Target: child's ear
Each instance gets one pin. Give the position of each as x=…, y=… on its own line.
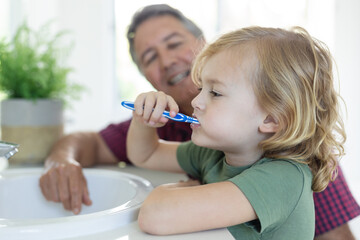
x=269, y=125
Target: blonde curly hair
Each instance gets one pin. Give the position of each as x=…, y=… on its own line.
x=293, y=81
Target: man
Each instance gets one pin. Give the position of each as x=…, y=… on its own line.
x=162, y=44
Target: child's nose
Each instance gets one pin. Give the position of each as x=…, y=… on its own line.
x=196, y=102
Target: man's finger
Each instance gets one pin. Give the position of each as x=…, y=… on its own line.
x=53, y=185
x=49, y=186
x=76, y=186
x=44, y=186
x=86, y=196
x=63, y=188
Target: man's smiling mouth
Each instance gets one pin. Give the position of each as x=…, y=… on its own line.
x=177, y=78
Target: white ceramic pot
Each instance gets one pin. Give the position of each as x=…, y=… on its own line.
x=34, y=125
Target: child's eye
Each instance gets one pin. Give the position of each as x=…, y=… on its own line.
x=199, y=89
x=215, y=94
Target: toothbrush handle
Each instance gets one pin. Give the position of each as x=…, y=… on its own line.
x=179, y=117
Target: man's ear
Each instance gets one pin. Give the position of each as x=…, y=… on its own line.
x=269, y=125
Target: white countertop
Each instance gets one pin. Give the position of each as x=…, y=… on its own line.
x=132, y=232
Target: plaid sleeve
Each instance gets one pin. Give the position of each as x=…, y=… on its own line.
x=114, y=136
x=334, y=206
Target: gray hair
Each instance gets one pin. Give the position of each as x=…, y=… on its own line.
x=154, y=11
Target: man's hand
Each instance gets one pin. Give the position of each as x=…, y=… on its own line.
x=65, y=183
x=63, y=180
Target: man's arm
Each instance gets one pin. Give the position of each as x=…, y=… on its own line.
x=87, y=148
x=63, y=180
x=342, y=232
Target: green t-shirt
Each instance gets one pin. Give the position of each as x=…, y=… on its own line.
x=278, y=190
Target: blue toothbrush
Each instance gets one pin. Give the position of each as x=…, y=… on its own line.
x=179, y=117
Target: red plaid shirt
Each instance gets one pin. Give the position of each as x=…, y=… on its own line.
x=333, y=207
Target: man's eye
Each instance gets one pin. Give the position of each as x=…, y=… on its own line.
x=215, y=94
x=150, y=59
x=174, y=45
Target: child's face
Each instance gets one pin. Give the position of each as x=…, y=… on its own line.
x=226, y=107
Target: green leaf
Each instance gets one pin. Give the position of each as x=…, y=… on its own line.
x=30, y=65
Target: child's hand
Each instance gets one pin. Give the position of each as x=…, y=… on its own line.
x=150, y=106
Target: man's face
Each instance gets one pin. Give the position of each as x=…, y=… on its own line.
x=165, y=51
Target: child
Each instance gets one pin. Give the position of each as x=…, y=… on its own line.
x=270, y=132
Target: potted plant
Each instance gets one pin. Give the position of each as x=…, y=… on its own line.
x=34, y=82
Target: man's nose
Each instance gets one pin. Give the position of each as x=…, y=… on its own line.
x=167, y=59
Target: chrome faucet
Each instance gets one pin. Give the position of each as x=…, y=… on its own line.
x=7, y=150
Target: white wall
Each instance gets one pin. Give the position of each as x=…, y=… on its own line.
x=91, y=23
x=94, y=59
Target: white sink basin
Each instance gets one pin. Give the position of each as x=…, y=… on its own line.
x=26, y=214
